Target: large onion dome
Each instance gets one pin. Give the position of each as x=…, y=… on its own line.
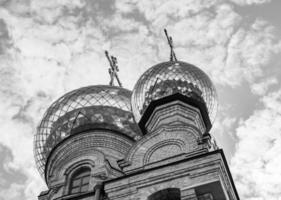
x=102, y=107
x=173, y=77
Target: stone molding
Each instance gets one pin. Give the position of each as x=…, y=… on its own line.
x=185, y=174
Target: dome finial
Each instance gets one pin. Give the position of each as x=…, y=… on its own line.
x=113, y=69
x=170, y=42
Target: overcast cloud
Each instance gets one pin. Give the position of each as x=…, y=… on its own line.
x=50, y=47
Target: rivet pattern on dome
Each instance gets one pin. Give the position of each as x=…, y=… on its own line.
x=171, y=77
x=101, y=104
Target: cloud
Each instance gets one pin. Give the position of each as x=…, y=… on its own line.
x=50, y=47
x=223, y=45
x=261, y=88
x=18, y=119
x=256, y=163
x=4, y=37
x=250, y=2
x=212, y=35
x=13, y=192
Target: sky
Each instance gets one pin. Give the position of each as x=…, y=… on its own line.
x=48, y=48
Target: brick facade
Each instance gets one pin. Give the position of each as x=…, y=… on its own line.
x=175, y=156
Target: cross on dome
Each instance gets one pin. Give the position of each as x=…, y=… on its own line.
x=113, y=69
x=170, y=42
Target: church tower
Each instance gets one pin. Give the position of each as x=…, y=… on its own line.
x=105, y=142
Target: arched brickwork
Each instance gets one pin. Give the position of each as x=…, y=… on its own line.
x=166, y=194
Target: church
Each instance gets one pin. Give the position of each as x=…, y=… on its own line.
x=104, y=142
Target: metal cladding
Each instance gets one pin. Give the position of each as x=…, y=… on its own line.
x=169, y=78
x=107, y=106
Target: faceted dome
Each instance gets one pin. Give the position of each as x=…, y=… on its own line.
x=169, y=78
x=96, y=106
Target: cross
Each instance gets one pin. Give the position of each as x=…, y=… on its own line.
x=113, y=69
x=170, y=42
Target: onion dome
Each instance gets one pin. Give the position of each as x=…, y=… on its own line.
x=169, y=78
x=92, y=107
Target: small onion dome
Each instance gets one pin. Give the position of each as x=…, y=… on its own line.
x=92, y=107
x=173, y=77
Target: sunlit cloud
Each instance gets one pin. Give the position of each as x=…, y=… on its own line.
x=250, y=2
x=50, y=47
x=255, y=164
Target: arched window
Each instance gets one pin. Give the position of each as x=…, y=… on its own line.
x=79, y=181
x=166, y=194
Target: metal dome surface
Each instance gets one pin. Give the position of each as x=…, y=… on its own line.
x=169, y=78
x=104, y=105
